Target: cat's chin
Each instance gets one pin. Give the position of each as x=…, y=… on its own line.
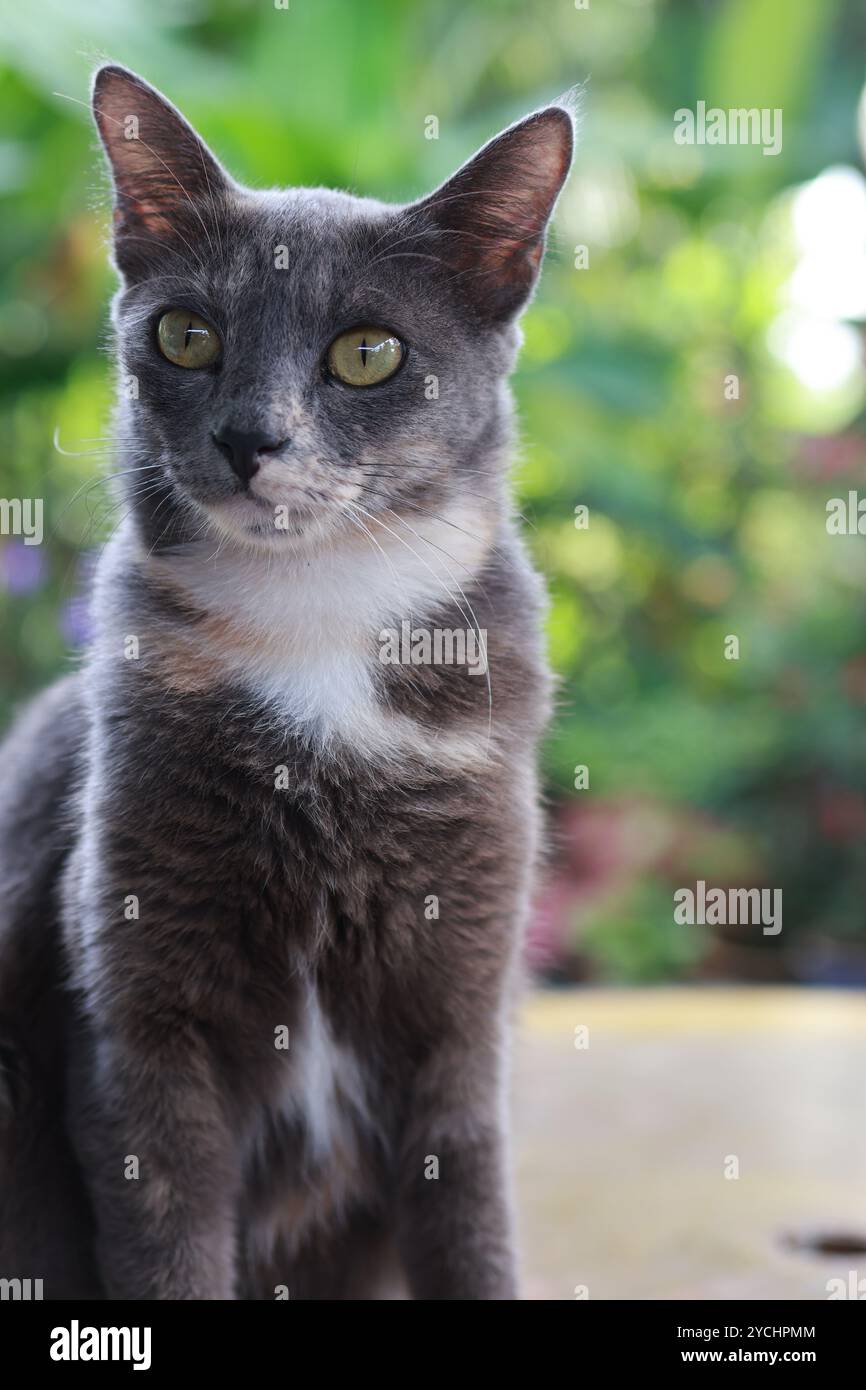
x=255, y=526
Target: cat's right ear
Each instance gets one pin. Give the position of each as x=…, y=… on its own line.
x=167, y=184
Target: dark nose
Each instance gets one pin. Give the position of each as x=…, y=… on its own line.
x=243, y=449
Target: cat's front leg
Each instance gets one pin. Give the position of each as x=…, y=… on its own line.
x=159, y=1160
x=454, y=1213
x=148, y=1109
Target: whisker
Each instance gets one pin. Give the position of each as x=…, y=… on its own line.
x=482, y=641
x=471, y=621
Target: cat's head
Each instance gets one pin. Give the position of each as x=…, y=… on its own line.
x=295, y=361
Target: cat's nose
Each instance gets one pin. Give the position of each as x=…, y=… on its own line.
x=244, y=449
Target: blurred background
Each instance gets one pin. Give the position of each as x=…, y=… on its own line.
x=694, y=376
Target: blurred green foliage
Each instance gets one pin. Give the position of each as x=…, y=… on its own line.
x=706, y=512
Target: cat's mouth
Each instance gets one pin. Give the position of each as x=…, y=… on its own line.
x=254, y=519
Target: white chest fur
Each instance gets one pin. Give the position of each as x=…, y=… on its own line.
x=324, y=1096
x=309, y=625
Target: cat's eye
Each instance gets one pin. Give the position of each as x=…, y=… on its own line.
x=364, y=356
x=187, y=339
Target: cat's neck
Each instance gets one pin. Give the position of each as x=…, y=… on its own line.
x=398, y=566
x=303, y=633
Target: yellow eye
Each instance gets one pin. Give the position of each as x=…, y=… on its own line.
x=364, y=356
x=186, y=339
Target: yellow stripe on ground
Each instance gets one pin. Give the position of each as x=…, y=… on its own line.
x=695, y=1009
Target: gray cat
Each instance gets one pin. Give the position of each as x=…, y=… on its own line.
x=266, y=858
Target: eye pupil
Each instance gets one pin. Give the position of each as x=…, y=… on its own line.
x=364, y=356
x=187, y=339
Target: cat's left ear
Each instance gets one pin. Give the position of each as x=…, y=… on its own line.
x=167, y=184
x=491, y=217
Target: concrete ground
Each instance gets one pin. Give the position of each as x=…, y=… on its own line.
x=623, y=1145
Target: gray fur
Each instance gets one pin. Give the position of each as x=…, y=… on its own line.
x=300, y=905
